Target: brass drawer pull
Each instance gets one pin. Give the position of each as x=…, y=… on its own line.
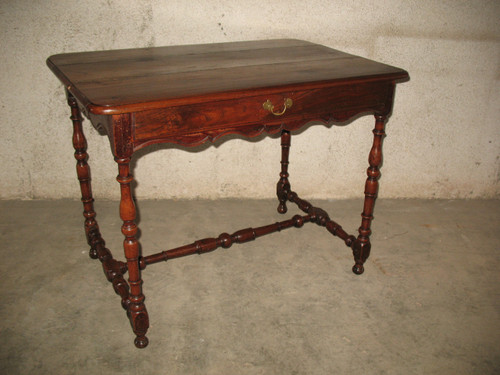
x=268, y=106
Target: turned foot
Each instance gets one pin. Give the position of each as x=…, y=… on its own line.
x=141, y=342
x=93, y=253
x=361, y=251
x=358, y=269
x=282, y=209
x=140, y=324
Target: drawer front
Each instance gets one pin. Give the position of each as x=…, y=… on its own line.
x=338, y=103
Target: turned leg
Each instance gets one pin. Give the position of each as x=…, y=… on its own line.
x=136, y=309
x=83, y=172
x=283, y=186
x=361, y=247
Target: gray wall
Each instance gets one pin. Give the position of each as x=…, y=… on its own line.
x=443, y=138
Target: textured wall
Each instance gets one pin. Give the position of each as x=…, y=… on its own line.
x=443, y=138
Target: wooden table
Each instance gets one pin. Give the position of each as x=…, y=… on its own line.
x=192, y=94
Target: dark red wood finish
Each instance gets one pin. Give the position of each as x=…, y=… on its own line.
x=188, y=95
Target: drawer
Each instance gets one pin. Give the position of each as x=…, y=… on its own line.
x=337, y=102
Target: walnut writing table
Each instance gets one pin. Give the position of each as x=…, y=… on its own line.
x=188, y=95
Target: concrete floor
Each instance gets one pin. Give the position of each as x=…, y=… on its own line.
x=428, y=302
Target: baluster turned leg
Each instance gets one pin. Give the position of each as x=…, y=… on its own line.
x=83, y=172
x=283, y=186
x=136, y=308
x=361, y=247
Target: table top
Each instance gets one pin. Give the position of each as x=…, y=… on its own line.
x=131, y=80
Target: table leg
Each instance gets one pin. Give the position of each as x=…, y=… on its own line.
x=136, y=309
x=361, y=247
x=83, y=172
x=283, y=186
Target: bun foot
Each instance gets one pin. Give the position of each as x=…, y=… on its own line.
x=141, y=342
x=358, y=269
x=282, y=208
